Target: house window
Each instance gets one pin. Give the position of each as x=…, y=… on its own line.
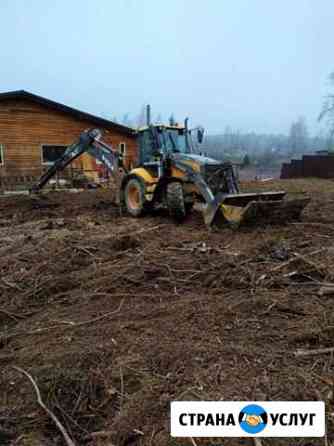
x=2, y=161
x=122, y=148
x=50, y=154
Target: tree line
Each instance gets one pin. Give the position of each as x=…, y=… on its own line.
x=263, y=149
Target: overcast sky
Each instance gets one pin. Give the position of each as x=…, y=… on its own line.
x=250, y=64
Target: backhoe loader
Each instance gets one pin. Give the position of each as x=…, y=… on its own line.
x=169, y=174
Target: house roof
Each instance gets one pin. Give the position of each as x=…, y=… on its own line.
x=105, y=123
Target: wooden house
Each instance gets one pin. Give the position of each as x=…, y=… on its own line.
x=35, y=131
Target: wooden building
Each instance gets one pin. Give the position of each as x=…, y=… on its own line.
x=35, y=131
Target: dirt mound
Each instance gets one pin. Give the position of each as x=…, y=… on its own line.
x=115, y=317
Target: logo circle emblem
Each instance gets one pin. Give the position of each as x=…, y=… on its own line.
x=253, y=419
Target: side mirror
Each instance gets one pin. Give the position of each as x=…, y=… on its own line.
x=200, y=135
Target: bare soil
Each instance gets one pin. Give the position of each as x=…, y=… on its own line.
x=115, y=317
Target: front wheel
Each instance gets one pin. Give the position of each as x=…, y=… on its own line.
x=175, y=201
x=134, y=197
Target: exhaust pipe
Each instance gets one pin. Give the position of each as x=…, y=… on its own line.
x=148, y=115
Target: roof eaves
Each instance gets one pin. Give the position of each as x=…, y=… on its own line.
x=66, y=109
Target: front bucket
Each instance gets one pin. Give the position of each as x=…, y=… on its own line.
x=255, y=212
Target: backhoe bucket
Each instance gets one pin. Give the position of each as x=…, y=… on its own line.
x=253, y=208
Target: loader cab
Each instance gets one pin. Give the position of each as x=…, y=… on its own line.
x=156, y=141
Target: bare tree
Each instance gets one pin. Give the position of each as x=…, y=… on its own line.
x=125, y=119
x=298, y=137
x=327, y=111
x=172, y=119
x=141, y=118
x=159, y=119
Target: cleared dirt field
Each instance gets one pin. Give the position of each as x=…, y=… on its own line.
x=115, y=317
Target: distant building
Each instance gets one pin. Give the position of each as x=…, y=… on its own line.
x=35, y=131
x=320, y=165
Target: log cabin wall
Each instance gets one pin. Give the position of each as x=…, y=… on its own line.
x=25, y=126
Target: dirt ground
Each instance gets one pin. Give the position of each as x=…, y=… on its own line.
x=115, y=317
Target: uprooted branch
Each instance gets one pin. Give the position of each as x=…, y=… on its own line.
x=320, y=351
x=68, y=324
x=66, y=436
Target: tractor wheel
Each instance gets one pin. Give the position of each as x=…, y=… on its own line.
x=134, y=197
x=175, y=201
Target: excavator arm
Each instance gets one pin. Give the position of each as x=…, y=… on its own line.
x=89, y=142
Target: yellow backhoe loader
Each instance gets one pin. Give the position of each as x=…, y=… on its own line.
x=169, y=174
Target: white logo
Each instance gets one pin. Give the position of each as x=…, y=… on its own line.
x=247, y=419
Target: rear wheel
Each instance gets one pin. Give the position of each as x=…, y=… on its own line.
x=134, y=197
x=175, y=201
